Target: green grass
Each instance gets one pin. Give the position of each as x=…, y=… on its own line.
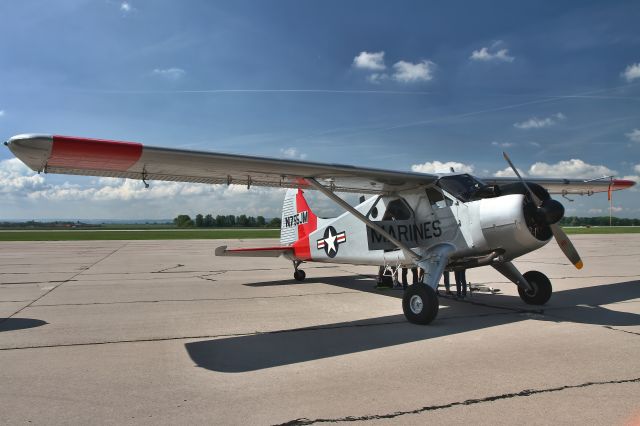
x=139, y=234
x=603, y=230
x=213, y=234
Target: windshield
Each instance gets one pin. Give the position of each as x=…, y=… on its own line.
x=463, y=187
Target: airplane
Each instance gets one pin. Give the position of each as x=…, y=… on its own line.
x=435, y=222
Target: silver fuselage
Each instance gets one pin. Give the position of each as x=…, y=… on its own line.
x=474, y=228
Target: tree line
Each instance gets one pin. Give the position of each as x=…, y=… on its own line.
x=598, y=221
x=228, y=221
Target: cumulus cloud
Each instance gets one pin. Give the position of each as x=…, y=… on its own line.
x=573, y=168
x=439, y=167
x=508, y=172
x=15, y=177
x=538, y=123
x=30, y=195
x=637, y=168
x=407, y=72
x=492, y=53
x=634, y=135
x=293, y=153
x=373, y=61
x=631, y=72
x=169, y=73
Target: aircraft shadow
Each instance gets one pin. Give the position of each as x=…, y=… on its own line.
x=259, y=351
x=285, y=347
x=11, y=324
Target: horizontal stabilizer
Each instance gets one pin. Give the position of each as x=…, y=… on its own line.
x=254, y=251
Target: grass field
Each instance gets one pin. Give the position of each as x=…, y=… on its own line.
x=137, y=234
x=603, y=230
x=212, y=234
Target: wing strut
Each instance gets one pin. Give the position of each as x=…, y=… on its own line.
x=331, y=195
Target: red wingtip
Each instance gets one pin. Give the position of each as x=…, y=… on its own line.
x=618, y=184
x=98, y=154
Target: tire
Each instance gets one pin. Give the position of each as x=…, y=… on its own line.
x=541, y=288
x=299, y=275
x=420, y=304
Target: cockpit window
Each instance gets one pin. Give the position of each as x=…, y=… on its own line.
x=463, y=187
x=437, y=199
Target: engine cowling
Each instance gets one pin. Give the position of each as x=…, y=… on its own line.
x=508, y=223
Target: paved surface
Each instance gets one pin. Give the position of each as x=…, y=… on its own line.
x=162, y=332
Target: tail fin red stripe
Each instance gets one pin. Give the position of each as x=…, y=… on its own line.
x=302, y=248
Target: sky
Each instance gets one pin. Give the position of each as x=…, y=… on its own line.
x=411, y=85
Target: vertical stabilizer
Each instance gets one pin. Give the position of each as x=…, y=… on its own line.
x=298, y=221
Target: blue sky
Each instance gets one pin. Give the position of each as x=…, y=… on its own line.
x=398, y=85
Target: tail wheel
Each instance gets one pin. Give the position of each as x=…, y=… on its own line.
x=541, y=288
x=420, y=304
x=299, y=275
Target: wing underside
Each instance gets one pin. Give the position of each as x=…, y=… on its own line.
x=94, y=157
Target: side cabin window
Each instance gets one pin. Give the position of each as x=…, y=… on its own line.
x=396, y=209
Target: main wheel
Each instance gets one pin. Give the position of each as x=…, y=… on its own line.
x=420, y=304
x=299, y=275
x=541, y=292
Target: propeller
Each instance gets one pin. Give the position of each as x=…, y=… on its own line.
x=549, y=212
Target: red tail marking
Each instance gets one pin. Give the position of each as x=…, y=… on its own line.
x=301, y=248
x=93, y=154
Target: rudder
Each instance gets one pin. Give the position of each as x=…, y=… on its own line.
x=298, y=221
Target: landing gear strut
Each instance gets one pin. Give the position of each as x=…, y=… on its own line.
x=298, y=274
x=534, y=287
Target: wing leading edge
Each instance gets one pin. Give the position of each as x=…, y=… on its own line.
x=568, y=186
x=95, y=157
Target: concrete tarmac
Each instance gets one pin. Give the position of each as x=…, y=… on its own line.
x=163, y=332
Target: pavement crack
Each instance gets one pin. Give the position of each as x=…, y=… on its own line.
x=179, y=265
x=248, y=333
x=206, y=277
x=621, y=330
x=39, y=282
x=213, y=336
x=488, y=399
x=212, y=299
x=61, y=283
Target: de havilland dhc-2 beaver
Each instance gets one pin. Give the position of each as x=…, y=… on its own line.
x=436, y=222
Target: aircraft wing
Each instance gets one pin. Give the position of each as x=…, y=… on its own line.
x=568, y=186
x=95, y=157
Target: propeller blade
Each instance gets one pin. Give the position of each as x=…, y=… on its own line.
x=566, y=246
x=534, y=197
x=561, y=237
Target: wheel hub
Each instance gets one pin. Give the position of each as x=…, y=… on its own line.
x=533, y=291
x=416, y=304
